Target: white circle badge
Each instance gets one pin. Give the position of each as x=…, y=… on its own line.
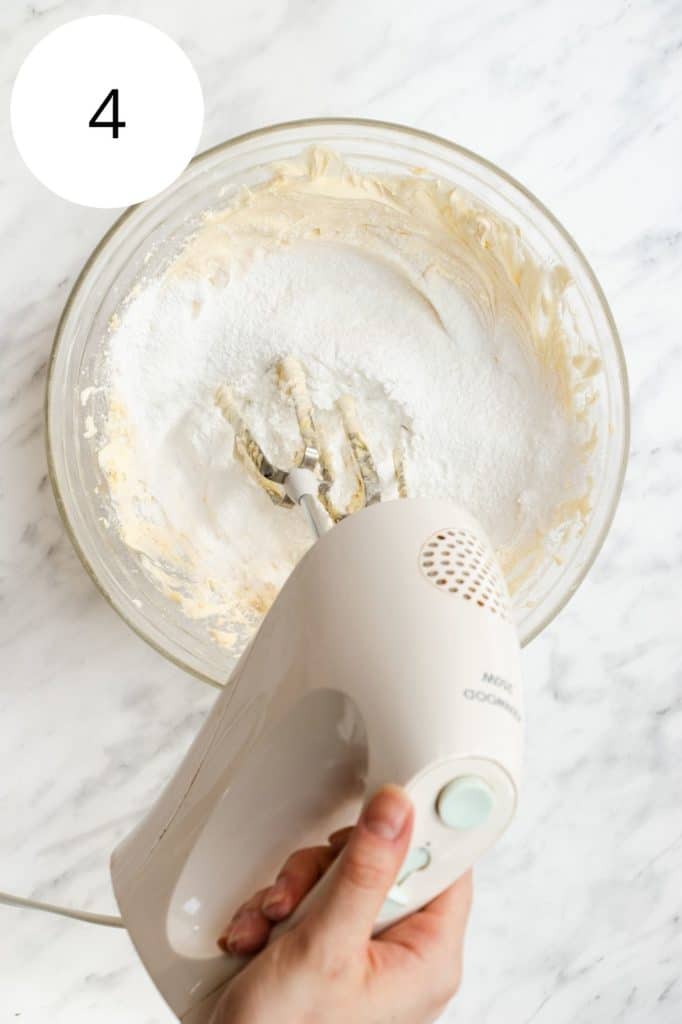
x=107, y=111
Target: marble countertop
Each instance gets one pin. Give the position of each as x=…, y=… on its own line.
x=577, y=912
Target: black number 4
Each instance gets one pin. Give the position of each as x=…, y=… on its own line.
x=114, y=124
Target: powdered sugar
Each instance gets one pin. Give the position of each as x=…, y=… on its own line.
x=435, y=346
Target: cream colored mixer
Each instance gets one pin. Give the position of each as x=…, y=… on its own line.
x=390, y=655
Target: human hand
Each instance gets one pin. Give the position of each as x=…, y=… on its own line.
x=328, y=969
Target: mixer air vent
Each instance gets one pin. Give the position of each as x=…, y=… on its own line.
x=457, y=562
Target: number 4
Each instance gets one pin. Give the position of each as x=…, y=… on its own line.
x=114, y=124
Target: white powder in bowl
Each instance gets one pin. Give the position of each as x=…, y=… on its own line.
x=404, y=293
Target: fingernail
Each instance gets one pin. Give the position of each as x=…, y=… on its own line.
x=276, y=902
x=387, y=812
x=339, y=838
x=237, y=937
x=234, y=937
x=239, y=932
x=225, y=942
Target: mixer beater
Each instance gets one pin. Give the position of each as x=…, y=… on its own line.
x=311, y=475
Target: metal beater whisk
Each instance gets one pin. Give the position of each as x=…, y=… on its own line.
x=311, y=478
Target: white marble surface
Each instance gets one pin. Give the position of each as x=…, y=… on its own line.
x=577, y=913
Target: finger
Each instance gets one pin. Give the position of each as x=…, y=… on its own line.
x=366, y=870
x=441, y=923
x=300, y=873
x=253, y=903
x=338, y=839
x=249, y=929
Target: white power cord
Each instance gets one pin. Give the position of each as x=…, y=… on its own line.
x=49, y=908
x=108, y=920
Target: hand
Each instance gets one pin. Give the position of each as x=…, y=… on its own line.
x=328, y=969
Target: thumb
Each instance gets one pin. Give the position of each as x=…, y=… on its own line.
x=366, y=870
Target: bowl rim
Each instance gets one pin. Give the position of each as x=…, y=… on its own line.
x=330, y=123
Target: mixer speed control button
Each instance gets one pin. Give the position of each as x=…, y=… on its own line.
x=465, y=802
x=416, y=860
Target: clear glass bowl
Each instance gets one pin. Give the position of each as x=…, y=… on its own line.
x=147, y=237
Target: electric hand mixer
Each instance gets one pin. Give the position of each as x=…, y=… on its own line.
x=389, y=655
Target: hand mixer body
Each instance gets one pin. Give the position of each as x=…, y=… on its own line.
x=389, y=656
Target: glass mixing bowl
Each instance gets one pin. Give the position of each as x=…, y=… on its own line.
x=147, y=237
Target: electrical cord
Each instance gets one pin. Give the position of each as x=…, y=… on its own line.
x=49, y=908
x=108, y=920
